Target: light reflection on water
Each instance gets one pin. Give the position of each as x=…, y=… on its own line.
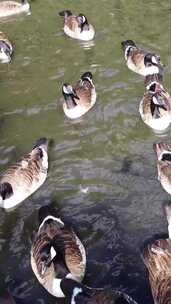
x=103, y=175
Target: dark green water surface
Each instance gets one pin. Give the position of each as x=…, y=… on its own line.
x=102, y=176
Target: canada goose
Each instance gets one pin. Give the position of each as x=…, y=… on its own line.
x=77, y=27
x=22, y=179
x=155, y=106
x=157, y=258
x=56, y=248
x=77, y=293
x=163, y=153
x=140, y=61
x=9, y=8
x=5, y=49
x=80, y=98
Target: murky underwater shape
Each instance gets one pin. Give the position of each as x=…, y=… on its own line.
x=102, y=176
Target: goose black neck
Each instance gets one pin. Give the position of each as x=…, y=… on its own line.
x=70, y=101
x=166, y=157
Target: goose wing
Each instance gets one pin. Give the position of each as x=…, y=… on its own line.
x=157, y=258
x=83, y=91
x=24, y=171
x=10, y=5
x=137, y=56
x=71, y=22
x=41, y=252
x=72, y=250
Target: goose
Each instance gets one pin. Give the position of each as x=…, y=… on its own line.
x=140, y=61
x=9, y=8
x=6, y=48
x=80, y=98
x=157, y=258
x=77, y=293
x=77, y=27
x=163, y=153
x=23, y=178
x=56, y=253
x=155, y=106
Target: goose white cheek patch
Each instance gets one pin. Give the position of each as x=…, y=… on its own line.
x=53, y=252
x=155, y=100
x=76, y=291
x=153, y=59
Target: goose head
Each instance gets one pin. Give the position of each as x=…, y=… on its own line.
x=87, y=76
x=163, y=151
x=83, y=22
x=127, y=47
x=152, y=59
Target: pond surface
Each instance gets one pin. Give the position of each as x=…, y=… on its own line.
x=102, y=176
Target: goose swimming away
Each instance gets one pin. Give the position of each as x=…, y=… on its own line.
x=77, y=27
x=56, y=253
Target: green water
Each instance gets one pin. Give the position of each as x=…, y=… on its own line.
x=102, y=175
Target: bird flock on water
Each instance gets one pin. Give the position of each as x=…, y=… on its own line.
x=57, y=255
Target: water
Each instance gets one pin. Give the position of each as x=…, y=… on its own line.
x=102, y=175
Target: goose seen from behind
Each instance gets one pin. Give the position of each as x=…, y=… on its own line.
x=77, y=27
x=56, y=253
